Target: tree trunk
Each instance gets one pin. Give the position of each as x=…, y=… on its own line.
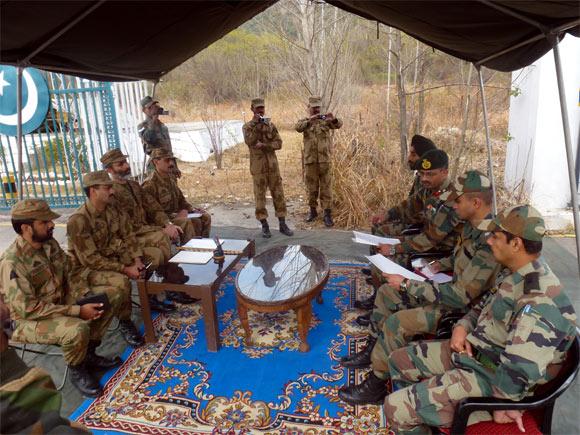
x=400, y=81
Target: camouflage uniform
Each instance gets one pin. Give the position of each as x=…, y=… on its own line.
x=519, y=334
x=264, y=166
x=154, y=135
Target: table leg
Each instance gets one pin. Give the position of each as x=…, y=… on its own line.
x=304, y=315
x=319, y=298
x=146, y=312
x=243, y=313
x=210, y=320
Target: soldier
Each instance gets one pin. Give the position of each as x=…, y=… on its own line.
x=405, y=308
x=163, y=188
x=154, y=133
x=316, y=158
x=263, y=139
x=104, y=249
x=42, y=294
x=514, y=339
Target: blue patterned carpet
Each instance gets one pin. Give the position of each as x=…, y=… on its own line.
x=177, y=386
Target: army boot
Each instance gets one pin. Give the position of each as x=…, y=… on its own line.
x=265, y=229
x=84, y=381
x=372, y=390
x=312, y=215
x=130, y=333
x=360, y=359
x=284, y=228
x=328, y=218
x=95, y=361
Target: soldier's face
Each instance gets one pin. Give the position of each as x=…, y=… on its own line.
x=465, y=207
x=121, y=169
x=165, y=165
x=412, y=158
x=153, y=109
x=260, y=110
x=42, y=231
x=103, y=193
x=314, y=111
x=502, y=249
x=433, y=178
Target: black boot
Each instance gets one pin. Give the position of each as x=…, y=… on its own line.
x=157, y=305
x=360, y=359
x=284, y=228
x=312, y=215
x=95, y=361
x=265, y=229
x=328, y=218
x=372, y=390
x=84, y=381
x=364, y=320
x=130, y=333
x=181, y=298
x=366, y=304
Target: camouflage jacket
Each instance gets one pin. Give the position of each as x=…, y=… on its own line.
x=36, y=282
x=144, y=211
x=411, y=209
x=101, y=240
x=317, y=138
x=524, y=327
x=442, y=226
x=167, y=194
x=263, y=160
x=153, y=135
x=474, y=272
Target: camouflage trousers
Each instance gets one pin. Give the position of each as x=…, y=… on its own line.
x=317, y=177
x=156, y=246
x=263, y=182
x=195, y=227
x=72, y=334
x=433, y=383
x=116, y=285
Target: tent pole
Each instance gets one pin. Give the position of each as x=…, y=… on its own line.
x=487, y=139
x=19, y=131
x=568, y=143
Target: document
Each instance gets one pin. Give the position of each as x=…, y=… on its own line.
x=423, y=266
x=230, y=246
x=191, y=257
x=387, y=266
x=193, y=215
x=369, y=239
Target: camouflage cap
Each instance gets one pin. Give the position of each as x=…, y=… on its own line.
x=161, y=153
x=470, y=182
x=97, y=178
x=113, y=156
x=258, y=102
x=421, y=144
x=32, y=209
x=433, y=159
x=521, y=220
x=314, y=102
x=147, y=101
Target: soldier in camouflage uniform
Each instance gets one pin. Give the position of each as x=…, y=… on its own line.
x=515, y=338
x=42, y=294
x=162, y=186
x=316, y=158
x=104, y=248
x=405, y=308
x=263, y=139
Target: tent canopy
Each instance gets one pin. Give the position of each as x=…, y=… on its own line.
x=128, y=40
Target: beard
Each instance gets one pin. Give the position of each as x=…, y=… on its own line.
x=124, y=175
x=41, y=238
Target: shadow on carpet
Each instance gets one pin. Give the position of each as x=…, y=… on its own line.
x=177, y=386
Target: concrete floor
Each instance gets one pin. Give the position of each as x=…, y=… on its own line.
x=337, y=245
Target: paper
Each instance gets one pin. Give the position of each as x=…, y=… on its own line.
x=423, y=266
x=193, y=215
x=228, y=245
x=369, y=239
x=387, y=266
x=191, y=257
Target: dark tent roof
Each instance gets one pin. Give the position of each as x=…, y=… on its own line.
x=121, y=40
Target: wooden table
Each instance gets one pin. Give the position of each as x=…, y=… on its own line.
x=280, y=279
x=199, y=281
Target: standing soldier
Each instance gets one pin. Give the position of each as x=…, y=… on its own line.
x=317, y=148
x=263, y=139
x=36, y=280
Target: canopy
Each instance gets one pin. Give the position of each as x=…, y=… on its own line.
x=129, y=40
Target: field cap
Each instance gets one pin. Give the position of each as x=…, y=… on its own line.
x=470, y=182
x=314, y=102
x=523, y=221
x=113, y=156
x=161, y=153
x=147, y=102
x=32, y=209
x=257, y=102
x=97, y=178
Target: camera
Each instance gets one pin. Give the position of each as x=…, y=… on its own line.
x=322, y=117
x=264, y=120
x=162, y=111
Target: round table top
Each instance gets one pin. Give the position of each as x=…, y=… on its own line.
x=282, y=273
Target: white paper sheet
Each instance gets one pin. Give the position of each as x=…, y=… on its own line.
x=192, y=257
x=369, y=239
x=229, y=245
x=193, y=215
x=423, y=265
x=388, y=266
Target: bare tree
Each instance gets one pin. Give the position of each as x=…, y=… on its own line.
x=215, y=128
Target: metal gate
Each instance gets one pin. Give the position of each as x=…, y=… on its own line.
x=80, y=127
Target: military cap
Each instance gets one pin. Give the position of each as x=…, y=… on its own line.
x=147, y=101
x=314, y=102
x=97, y=178
x=422, y=144
x=523, y=221
x=113, y=156
x=32, y=209
x=433, y=159
x=258, y=102
x=161, y=153
x=471, y=182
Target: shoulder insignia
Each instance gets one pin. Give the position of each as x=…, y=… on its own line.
x=531, y=282
x=13, y=275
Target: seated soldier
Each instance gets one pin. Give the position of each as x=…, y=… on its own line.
x=162, y=186
x=40, y=291
x=104, y=249
x=404, y=308
x=515, y=338
x=29, y=403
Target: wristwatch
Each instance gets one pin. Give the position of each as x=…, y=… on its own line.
x=393, y=251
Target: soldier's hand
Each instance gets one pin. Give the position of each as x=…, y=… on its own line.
x=132, y=271
x=384, y=249
x=172, y=231
x=504, y=417
x=458, y=342
x=376, y=219
x=259, y=145
x=329, y=116
x=434, y=267
x=91, y=311
x=182, y=214
x=394, y=281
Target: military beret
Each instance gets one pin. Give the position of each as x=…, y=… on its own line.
x=32, y=209
x=470, y=182
x=97, y=178
x=161, y=153
x=433, y=159
x=113, y=156
x=314, y=102
x=422, y=144
x=258, y=102
x=147, y=101
x=523, y=221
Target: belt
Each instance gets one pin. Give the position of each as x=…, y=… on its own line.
x=484, y=360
